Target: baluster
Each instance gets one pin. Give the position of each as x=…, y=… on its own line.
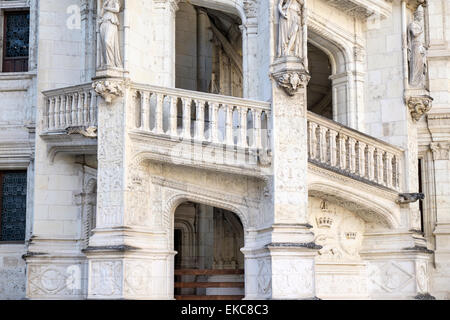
x=388, y=169
x=200, y=124
x=323, y=144
x=68, y=115
x=352, y=154
x=342, y=154
x=74, y=110
x=186, y=118
x=62, y=110
x=159, y=113
x=332, y=147
x=370, y=163
x=312, y=140
x=396, y=172
x=243, y=129
x=229, y=125
x=92, y=108
x=214, y=110
x=379, y=161
x=46, y=113
x=49, y=115
x=257, y=143
x=80, y=109
x=360, y=159
x=56, y=114
x=85, y=108
x=145, y=108
x=173, y=116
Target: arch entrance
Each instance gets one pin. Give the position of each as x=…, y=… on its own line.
x=208, y=262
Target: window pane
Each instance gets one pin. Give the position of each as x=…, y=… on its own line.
x=17, y=34
x=13, y=211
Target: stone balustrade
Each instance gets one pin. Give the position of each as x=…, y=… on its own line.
x=202, y=117
x=74, y=106
x=353, y=153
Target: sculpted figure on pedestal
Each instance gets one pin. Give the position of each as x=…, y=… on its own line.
x=416, y=51
x=109, y=35
x=290, y=28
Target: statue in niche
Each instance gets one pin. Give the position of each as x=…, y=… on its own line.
x=416, y=51
x=290, y=34
x=109, y=35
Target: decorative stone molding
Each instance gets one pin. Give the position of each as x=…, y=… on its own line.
x=419, y=105
x=250, y=8
x=355, y=8
x=290, y=74
x=109, y=89
x=89, y=132
x=441, y=150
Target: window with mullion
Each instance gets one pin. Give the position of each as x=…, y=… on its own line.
x=16, y=27
x=13, y=194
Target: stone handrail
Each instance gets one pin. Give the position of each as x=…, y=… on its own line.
x=74, y=106
x=353, y=153
x=202, y=117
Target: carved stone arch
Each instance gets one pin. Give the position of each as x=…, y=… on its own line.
x=235, y=7
x=89, y=204
x=343, y=52
x=366, y=208
x=179, y=198
x=187, y=230
x=338, y=49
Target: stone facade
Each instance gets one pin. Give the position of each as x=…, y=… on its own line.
x=280, y=146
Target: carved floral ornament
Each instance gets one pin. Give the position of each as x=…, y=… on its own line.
x=291, y=81
x=419, y=105
x=109, y=89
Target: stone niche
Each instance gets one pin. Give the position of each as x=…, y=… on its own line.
x=340, y=271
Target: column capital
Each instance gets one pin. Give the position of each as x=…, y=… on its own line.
x=290, y=74
x=440, y=150
x=173, y=4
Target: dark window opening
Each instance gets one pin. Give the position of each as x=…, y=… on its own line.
x=421, y=191
x=16, y=34
x=13, y=195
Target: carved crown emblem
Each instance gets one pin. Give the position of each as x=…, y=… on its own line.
x=325, y=218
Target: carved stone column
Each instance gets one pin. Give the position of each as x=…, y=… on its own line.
x=292, y=250
x=441, y=159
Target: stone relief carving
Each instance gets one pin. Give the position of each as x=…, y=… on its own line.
x=109, y=35
x=138, y=278
x=422, y=277
x=389, y=277
x=293, y=278
x=106, y=278
x=418, y=106
x=290, y=42
x=109, y=89
x=264, y=277
x=417, y=54
x=339, y=232
x=50, y=280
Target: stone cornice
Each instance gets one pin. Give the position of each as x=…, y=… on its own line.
x=362, y=9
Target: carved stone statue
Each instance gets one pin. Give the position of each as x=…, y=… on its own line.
x=109, y=35
x=290, y=28
x=416, y=51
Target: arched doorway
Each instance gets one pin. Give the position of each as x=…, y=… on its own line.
x=208, y=264
x=319, y=87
